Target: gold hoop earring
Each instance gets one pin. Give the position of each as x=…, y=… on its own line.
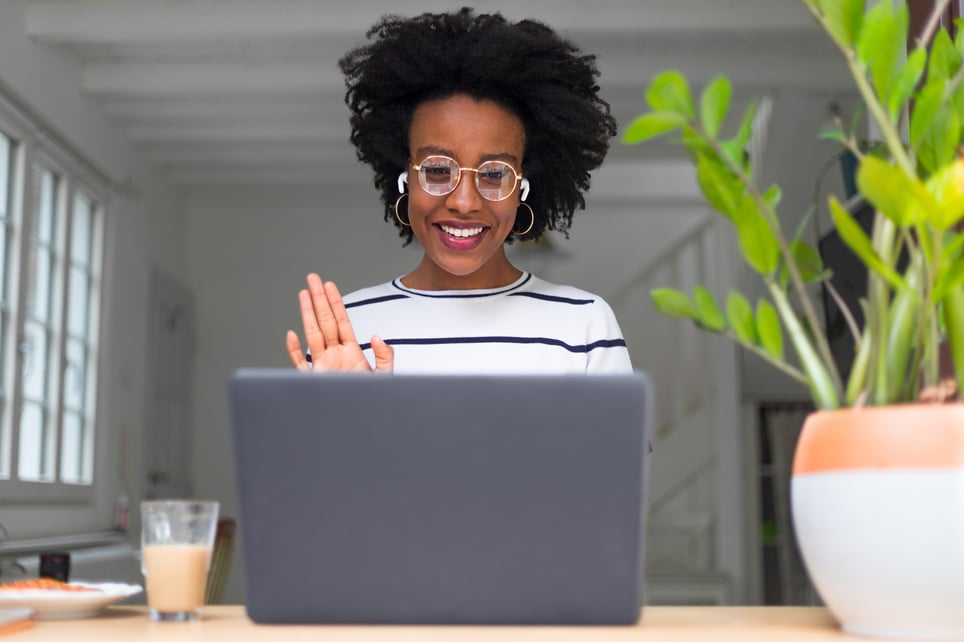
x=532, y=218
x=396, y=210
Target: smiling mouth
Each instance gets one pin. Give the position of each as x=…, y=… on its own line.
x=461, y=233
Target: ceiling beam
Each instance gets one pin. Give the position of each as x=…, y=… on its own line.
x=268, y=132
x=250, y=153
x=293, y=174
x=173, y=79
x=219, y=108
x=132, y=21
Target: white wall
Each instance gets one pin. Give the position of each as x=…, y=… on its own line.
x=146, y=227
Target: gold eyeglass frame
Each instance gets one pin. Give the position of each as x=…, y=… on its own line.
x=418, y=168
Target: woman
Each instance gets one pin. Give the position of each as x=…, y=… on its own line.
x=479, y=131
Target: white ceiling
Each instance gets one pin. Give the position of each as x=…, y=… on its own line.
x=248, y=91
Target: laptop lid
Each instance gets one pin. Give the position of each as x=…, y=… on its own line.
x=440, y=499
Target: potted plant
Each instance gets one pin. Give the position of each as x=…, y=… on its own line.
x=877, y=491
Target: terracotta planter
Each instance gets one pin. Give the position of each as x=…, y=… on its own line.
x=877, y=497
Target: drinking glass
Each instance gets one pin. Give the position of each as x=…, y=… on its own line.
x=177, y=537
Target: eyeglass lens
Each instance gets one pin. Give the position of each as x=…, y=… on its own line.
x=439, y=175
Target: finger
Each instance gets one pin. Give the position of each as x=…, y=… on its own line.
x=295, y=353
x=313, y=336
x=323, y=314
x=345, y=331
x=384, y=355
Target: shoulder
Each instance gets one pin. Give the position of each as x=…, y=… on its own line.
x=568, y=295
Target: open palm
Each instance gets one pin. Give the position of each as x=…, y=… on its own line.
x=329, y=334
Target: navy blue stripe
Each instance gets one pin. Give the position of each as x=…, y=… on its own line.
x=379, y=299
x=603, y=343
x=556, y=299
x=397, y=284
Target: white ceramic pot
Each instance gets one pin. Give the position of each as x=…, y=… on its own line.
x=877, y=497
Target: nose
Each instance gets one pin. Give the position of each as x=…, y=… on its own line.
x=465, y=197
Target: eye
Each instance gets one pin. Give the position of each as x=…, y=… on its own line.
x=494, y=174
x=436, y=173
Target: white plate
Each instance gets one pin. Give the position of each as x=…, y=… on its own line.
x=61, y=605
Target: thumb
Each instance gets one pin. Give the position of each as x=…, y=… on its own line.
x=384, y=355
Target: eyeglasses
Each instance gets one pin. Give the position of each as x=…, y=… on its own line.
x=495, y=180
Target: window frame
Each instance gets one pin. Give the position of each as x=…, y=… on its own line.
x=33, y=149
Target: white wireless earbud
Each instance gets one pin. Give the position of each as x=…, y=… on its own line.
x=402, y=180
x=525, y=188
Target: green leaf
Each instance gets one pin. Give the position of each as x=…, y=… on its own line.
x=945, y=60
x=882, y=44
x=926, y=106
x=906, y=83
x=896, y=195
x=708, y=313
x=695, y=143
x=651, y=125
x=745, y=132
x=834, y=134
x=959, y=38
x=947, y=189
x=957, y=99
x=940, y=144
x=669, y=91
x=844, y=18
x=757, y=240
x=768, y=327
x=808, y=262
x=736, y=153
x=740, y=314
x=853, y=235
x=773, y=196
x=952, y=308
x=722, y=189
x=714, y=103
x=949, y=279
x=953, y=245
x=674, y=303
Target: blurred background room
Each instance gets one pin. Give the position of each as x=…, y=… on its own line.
x=171, y=169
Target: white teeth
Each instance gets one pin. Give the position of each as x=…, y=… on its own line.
x=461, y=233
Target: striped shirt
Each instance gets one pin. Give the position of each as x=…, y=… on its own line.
x=528, y=327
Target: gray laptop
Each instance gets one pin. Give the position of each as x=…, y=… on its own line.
x=440, y=499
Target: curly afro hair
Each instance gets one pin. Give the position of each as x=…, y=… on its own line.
x=524, y=67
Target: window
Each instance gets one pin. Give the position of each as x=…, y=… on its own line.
x=51, y=234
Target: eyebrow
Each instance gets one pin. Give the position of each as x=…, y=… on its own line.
x=430, y=150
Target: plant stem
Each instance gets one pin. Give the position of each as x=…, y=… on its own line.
x=923, y=40
x=879, y=290
x=845, y=311
x=822, y=386
x=887, y=129
x=933, y=345
x=781, y=365
x=829, y=365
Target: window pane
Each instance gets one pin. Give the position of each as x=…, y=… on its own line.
x=46, y=207
x=6, y=221
x=34, y=458
x=38, y=284
x=35, y=361
x=72, y=449
x=80, y=231
x=6, y=153
x=74, y=376
x=78, y=309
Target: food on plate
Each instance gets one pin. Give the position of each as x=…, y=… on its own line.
x=43, y=584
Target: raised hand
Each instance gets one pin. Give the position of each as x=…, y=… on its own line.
x=329, y=334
